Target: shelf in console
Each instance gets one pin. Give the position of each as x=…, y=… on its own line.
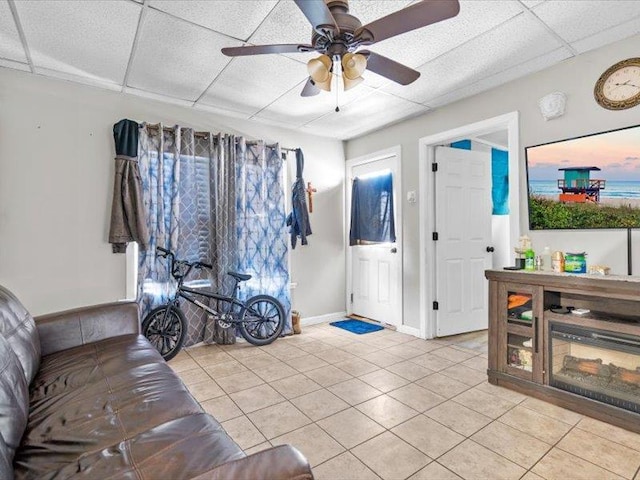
x=599, y=321
x=520, y=321
x=523, y=330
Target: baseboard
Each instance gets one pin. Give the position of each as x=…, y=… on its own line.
x=408, y=330
x=328, y=317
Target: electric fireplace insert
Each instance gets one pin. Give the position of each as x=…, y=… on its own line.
x=597, y=364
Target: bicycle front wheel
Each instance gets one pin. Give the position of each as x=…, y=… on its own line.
x=166, y=328
x=262, y=320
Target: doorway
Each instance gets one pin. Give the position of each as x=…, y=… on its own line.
x=374, y=269
x=465, y=296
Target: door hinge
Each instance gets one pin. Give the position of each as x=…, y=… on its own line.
x=436, y=305
x=434, y=236
x=351, y=298
x=434, y=167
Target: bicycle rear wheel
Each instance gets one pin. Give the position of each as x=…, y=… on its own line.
x=262, y=320
x=166, y=328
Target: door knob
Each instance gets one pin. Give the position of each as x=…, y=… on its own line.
x=490, y=249
x=394, y=250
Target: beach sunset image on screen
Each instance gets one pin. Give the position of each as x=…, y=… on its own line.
x=586, y=182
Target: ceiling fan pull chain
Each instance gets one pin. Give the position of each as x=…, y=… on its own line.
x=337, y=68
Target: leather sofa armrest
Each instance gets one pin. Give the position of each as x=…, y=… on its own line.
x=72, y=328
x=283, y=462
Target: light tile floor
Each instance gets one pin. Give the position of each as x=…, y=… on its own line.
x=387, y=405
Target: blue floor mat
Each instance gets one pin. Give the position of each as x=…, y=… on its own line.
x=357, y=326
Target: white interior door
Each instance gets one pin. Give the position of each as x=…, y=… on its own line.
x=463, y=224
x=376, y=270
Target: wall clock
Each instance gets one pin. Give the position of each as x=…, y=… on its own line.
x=619, y=86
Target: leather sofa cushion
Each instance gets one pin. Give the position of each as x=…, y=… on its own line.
x=93, y=408
x=19, y=328
x=14, y=399
x=6, y=468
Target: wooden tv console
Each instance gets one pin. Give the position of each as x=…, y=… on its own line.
x=520, y=354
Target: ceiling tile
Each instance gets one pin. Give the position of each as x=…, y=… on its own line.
x=362, y=115
x=249, y=84
x=367, y=11
x=475, y=17
x=486, y=55
x=610, y=35
x=497, y=79
x=285, y=24
x=297, y=110
x=577, y=19
x=231, y=17
x=10, y=43
x=15, y=65
x=85, y=38
x=183, y=67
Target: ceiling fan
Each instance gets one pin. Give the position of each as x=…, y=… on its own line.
x=338, y=36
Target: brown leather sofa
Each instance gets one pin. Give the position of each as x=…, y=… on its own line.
x=84, y=396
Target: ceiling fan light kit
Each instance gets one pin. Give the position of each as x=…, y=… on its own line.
x=338, y=35
x=320, y=72
x=353, y=66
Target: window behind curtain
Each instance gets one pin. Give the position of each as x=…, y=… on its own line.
x=372, y=213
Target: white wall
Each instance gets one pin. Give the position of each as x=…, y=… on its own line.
x=576, y=77
x=56, y=175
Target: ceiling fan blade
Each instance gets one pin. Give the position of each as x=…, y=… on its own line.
x=414, y=16
x=318, y=15
x=263, y=49
x=390, y=68
x=309, y=89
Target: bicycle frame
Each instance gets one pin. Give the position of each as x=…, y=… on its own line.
x=179, y=274
x=186, y=292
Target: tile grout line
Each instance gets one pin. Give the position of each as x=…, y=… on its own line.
x=410, y=382
x=557, y=445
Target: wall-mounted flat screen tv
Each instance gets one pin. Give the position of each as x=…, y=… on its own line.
x=585, y=182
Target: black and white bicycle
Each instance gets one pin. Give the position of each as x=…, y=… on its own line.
x=260, y=319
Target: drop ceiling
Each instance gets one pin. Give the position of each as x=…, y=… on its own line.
x=170, y=50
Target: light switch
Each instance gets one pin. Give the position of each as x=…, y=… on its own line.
x=411, y=196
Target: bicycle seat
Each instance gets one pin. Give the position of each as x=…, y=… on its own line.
x=241, y=277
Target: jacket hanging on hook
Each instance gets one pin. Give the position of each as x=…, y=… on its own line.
x=298, y=219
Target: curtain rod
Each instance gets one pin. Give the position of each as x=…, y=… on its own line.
x=205, y=135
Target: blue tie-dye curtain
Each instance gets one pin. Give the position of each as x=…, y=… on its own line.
x=158, y=154
x=220, y=202
x=261, y=230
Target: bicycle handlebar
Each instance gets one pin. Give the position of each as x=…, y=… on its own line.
x=175, y=264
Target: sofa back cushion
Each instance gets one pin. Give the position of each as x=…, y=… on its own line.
x=14, y=399
x=19, y=329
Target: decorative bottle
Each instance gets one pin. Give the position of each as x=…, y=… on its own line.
x=529, y=260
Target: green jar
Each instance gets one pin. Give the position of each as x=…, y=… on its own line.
x=529, y=260
x=575, y=262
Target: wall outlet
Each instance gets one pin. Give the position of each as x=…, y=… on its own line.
x=411, y=196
